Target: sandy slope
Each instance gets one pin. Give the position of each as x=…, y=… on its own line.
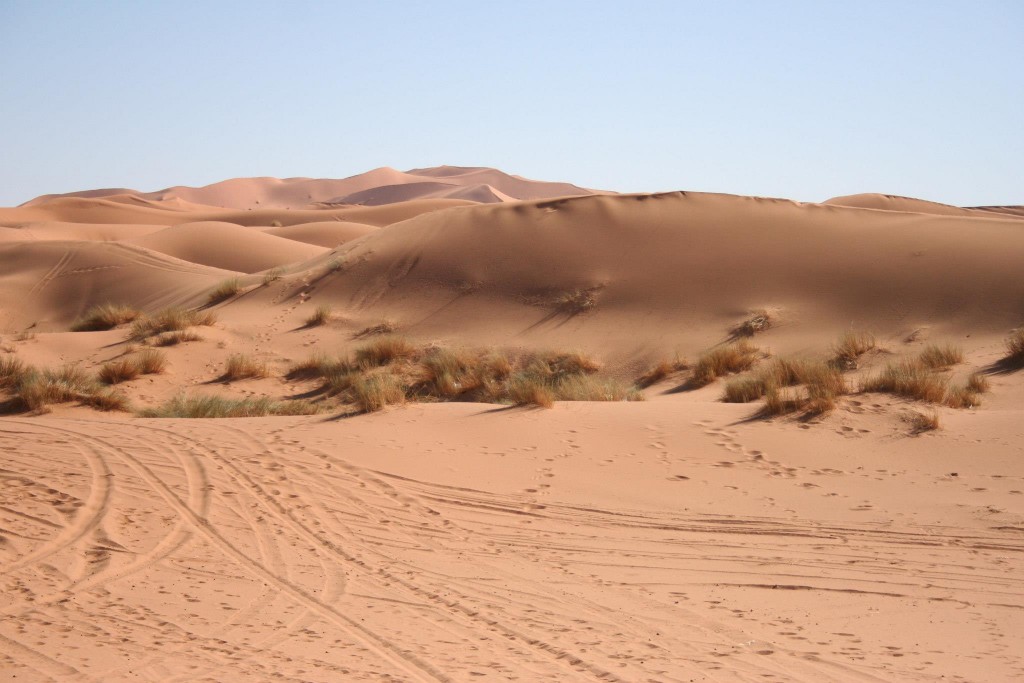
x=678, y=539
x=658, y=541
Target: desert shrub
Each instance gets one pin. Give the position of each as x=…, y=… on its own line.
x=105, y=317
x=321, y=316
x=272, y=275
x=850, y=347
x=448, y=373
x=938, y=357
x=175, y=338
x=219, y=406
x=590, y=388
x=759, y=321
x=1015, y=346
x=121, y=370
x=224, y=291
x=151, y=362
x=576, y=301
x=169, y=320
x=107, y=400
x=242, y=366
x=383, y=327
x=911, y=379
x=978, y=383
x=384, y=350
x=925, y=422
x=12, y=371
x=525, y=389
x=373, y=392
x=722, y=361
x=660, y=371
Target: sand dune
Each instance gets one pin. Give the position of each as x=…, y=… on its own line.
x=677, y=538
x=227, y=246
x=52, y=283
x=324, y=233
x=296, y=193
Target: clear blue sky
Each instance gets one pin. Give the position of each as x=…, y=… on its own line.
x=795, y=99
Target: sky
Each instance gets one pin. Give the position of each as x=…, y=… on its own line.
x=805, y=100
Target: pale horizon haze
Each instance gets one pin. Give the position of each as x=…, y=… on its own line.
x=802, y=100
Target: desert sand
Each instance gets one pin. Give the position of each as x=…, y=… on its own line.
x=671, y=537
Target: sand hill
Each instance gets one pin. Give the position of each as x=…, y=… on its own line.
x=648, y=526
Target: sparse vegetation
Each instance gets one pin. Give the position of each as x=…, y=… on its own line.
x=723, y=360
x=105, y=317
x=272, y=275
x=175, y=338
x=759, y=321
x=383, y=327
x=577, y=301
x=224, y=291
x=911, y=379
x=34, y=390
x=660, y=371
x=151, y=362
x=384, y=350
x=1015, y=347
x=220, y=406
x=321, y=316
x=925, y=422
x=121, y=370
x=938, y=357
x=12, y=371
x=169, y=320
x=822, y=384
x=242, y=366
x=851, y=346
x=371, y=393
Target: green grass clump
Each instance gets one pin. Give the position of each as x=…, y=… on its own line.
x=220, y=406
x=224, y=291
x=169, y=320
x=105, y=317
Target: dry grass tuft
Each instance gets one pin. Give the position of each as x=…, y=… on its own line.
x=219, y=406
x=169, y=320
x=529, y=390
x=823, y=383
x=850, y=347
x=242, y=366
x=105, y=317
x=272, y=275
x=911, y=379
x=314, y=365
x=108, y=400
x=978, y=383
x=576, y=302
x=660, y=371
x=151, y=362
x=938, y=357
x=12, y=371
x=383, y=351
x=925, y=422
x=224, y=291
x=1015, y=346
x=175, y=338
x=371, y=393
x=723, y=361
x=117, y=371
x=321, y=316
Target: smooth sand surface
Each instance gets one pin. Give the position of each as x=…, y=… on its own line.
x=679, y=538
